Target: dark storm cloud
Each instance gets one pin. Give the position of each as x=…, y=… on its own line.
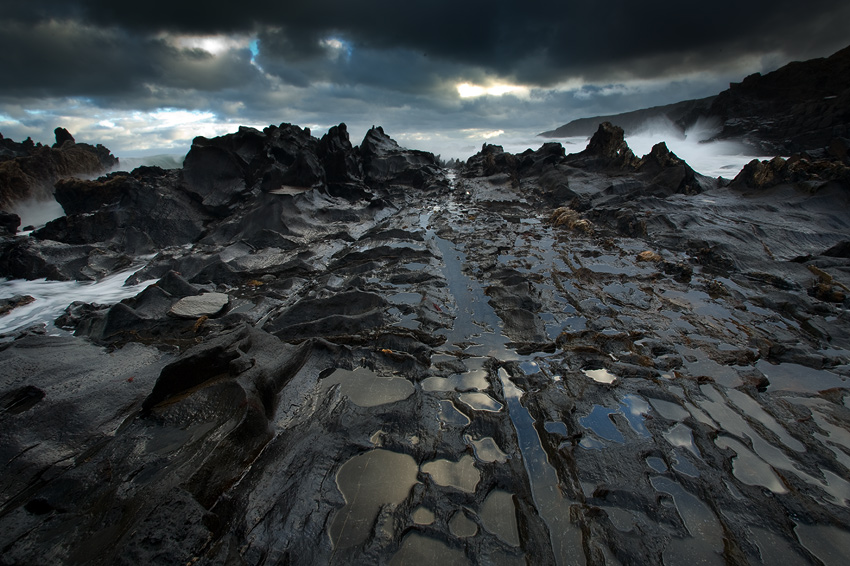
x=67, y=58
x=536, y=41
x=384, y=61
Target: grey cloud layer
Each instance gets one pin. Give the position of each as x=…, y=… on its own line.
x=397, y=61
x=536, y=41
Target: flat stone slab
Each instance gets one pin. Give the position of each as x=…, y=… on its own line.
x=208, y=304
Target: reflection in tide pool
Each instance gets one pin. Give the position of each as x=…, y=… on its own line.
x=486, y=450
x=367, y=389
x=417, y=549
x=462, y=474
x=367, y=482
x=552, y=505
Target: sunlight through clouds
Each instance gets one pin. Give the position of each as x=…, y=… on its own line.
x=467, y=90
x=213, y=44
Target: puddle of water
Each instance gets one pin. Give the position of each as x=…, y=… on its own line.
x=462, y=474
x=774, y=549
x=414, y=266
x=417, y=550
x=486, y=450
x=828, y=543
x=705, y=366
x=474, y=317
x=552, y=505
x=752, y=409
x=706, y=541
x=462, y=526
x=749, y=468
x=367, y=482
x=480, y=402
x=555, y=427
x=450, y=415
x=629, y=294
x=668, y=410
x=498, y=515
x=367, y=389
x=423, y=516
x=794, y=377
x=529, y=368
x=405, y=298
x=473, y=379
x=836, y=488
x=821, y=411
x=680, y=436
x=656, y=464
x=600, y=375
x=634, y=408
x=682, y=465
x=599, y=421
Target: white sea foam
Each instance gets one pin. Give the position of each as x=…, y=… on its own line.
x=53, y=297
x=164, y=160
x=713, y=159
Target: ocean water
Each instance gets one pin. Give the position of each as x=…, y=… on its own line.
x=53, y=297
x=37, y=213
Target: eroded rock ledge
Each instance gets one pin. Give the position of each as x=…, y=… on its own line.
x=536, y=358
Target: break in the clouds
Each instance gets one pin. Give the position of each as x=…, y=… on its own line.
x=151, y=75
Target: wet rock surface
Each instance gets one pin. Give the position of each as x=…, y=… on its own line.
x=540, y=358
x=28, y=171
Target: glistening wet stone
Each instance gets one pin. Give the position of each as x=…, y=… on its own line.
x=208, y=304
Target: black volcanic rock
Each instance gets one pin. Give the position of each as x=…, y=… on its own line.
x=136, y=213
x=416, y=324
x=606, y=150
x=338, y=157
x=9, y=223
x=30, y=171
x=62, y=136
x=386, y=163
x=801, y=106
x=28, y=258
x=803, y=173
x=668, y=171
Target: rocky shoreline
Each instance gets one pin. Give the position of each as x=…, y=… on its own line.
x=353, y=355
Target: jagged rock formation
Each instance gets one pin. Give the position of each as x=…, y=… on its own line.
x=802, y=106
x=348, y=355
x=29, y=171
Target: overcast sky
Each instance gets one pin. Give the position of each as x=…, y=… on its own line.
x=149, y=76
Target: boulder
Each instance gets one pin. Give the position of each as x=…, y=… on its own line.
x=606, y=150
x=208, y=304
x=137, y=213
x=338, y=157
x=9, y=223
x=63, y=136
x=491, y=160
x=29, y=258
x=385, y=162
x=797, y=170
